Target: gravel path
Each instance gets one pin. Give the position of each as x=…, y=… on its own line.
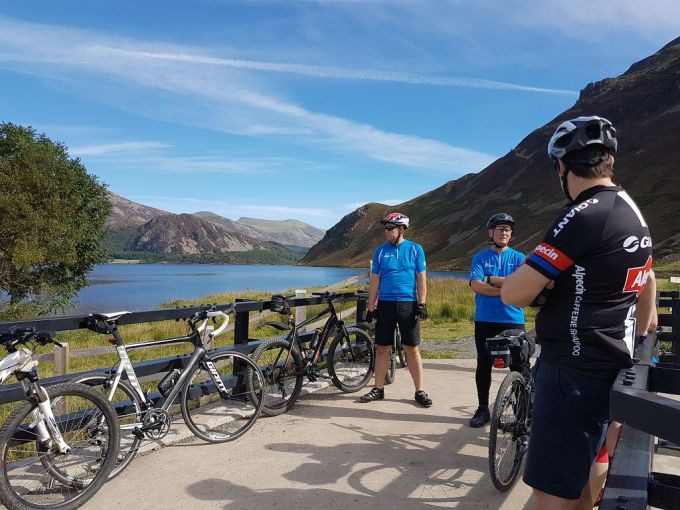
x=463, y=347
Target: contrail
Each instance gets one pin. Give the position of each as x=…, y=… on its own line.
x=336, y=72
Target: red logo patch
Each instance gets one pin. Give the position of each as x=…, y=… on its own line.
x=553, y=256
x=637, y=278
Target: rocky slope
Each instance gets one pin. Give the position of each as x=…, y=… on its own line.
x=286, y=232
x=644, y=106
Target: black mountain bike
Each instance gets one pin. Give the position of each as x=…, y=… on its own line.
x=511, y=418
x=58, y=448
x=286, y=362
x=211, y=386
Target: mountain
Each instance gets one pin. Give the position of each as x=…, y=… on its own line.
x=286, y=232
x=138, y=231
x=185, y=237
x=644, y=106
x=127, y=215
x=232, y=226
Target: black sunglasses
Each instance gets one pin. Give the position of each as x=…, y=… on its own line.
x=391, y=228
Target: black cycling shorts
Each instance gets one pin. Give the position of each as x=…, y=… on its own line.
x=403, y=313
x=568, y=427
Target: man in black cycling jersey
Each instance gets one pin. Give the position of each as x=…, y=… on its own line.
x=598, y=253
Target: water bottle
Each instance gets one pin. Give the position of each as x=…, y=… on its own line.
x=315, y=339
x=168, y=382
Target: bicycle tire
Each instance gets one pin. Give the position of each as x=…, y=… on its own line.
x=124, y=397
x=351, y=360
x=401, y=352
x=509, y=432
x=391, y=369
x=282, y=384
x=34, y=476
x=218, y=417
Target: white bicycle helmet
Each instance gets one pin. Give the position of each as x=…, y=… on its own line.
x=577, y=133
x=396, y=218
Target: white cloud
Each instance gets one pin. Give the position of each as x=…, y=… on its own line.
x=217, y=98
x=117, y=148
x=234, y=210
x=651, y=19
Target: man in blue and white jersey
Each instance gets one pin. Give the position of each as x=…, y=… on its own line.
x=487, y=274
x=398, y=276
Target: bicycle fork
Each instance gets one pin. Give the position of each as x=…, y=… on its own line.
x=44, y=422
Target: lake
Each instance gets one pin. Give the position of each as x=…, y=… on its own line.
x=134, y=287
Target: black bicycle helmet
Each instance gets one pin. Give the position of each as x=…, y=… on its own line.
x=500, y=219
x=577, y=133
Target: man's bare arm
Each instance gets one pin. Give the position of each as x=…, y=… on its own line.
x=479, y=287
x=521, y=287
x=646, y=307
x=421, y=287
x=373, y=285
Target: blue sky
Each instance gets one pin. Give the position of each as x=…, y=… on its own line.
x=305, y=109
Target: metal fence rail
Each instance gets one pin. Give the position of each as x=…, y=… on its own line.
x=242, y=342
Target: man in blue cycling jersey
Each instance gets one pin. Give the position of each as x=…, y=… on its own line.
x=487, y=274
x=398, y=276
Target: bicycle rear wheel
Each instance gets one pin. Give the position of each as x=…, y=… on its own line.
x=283, y=370
x=401, y=353
x=391, y=369
x=34, y=474
x=221, y=410
x=129, y=410
x=509, y=433
x=351, y=360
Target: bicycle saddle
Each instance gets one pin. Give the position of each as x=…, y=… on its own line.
x=113, y=316
x=278, y=325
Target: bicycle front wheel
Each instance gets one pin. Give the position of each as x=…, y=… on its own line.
x=509, y=434
x=283, y=371
x=128, y=407
x=216, y=404
x=351, y=360
x=35, y=474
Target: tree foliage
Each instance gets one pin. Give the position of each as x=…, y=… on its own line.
x=52, y=219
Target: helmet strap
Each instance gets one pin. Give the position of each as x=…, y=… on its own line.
x=494, y=242
x=563, y=178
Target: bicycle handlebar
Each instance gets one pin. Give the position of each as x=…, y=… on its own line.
x=211, y=313
x=18, y=335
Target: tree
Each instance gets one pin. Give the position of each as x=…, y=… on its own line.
x=52, y=219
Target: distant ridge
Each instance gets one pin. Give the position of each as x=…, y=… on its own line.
x=138, y=231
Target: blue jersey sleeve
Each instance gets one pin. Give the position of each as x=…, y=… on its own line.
x=420, y=260
x=376, y=262
x=476, y=269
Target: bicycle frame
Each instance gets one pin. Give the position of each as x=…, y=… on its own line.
x=125, y=366
x=333, y=322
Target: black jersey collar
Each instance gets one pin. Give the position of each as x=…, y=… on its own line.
x=587, y=193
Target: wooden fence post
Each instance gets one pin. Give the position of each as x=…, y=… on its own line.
x=61, y=359
x=300, y=311
x=206, y=338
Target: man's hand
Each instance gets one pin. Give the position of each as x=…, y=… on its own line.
x=421, y=313
x=370, y=316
